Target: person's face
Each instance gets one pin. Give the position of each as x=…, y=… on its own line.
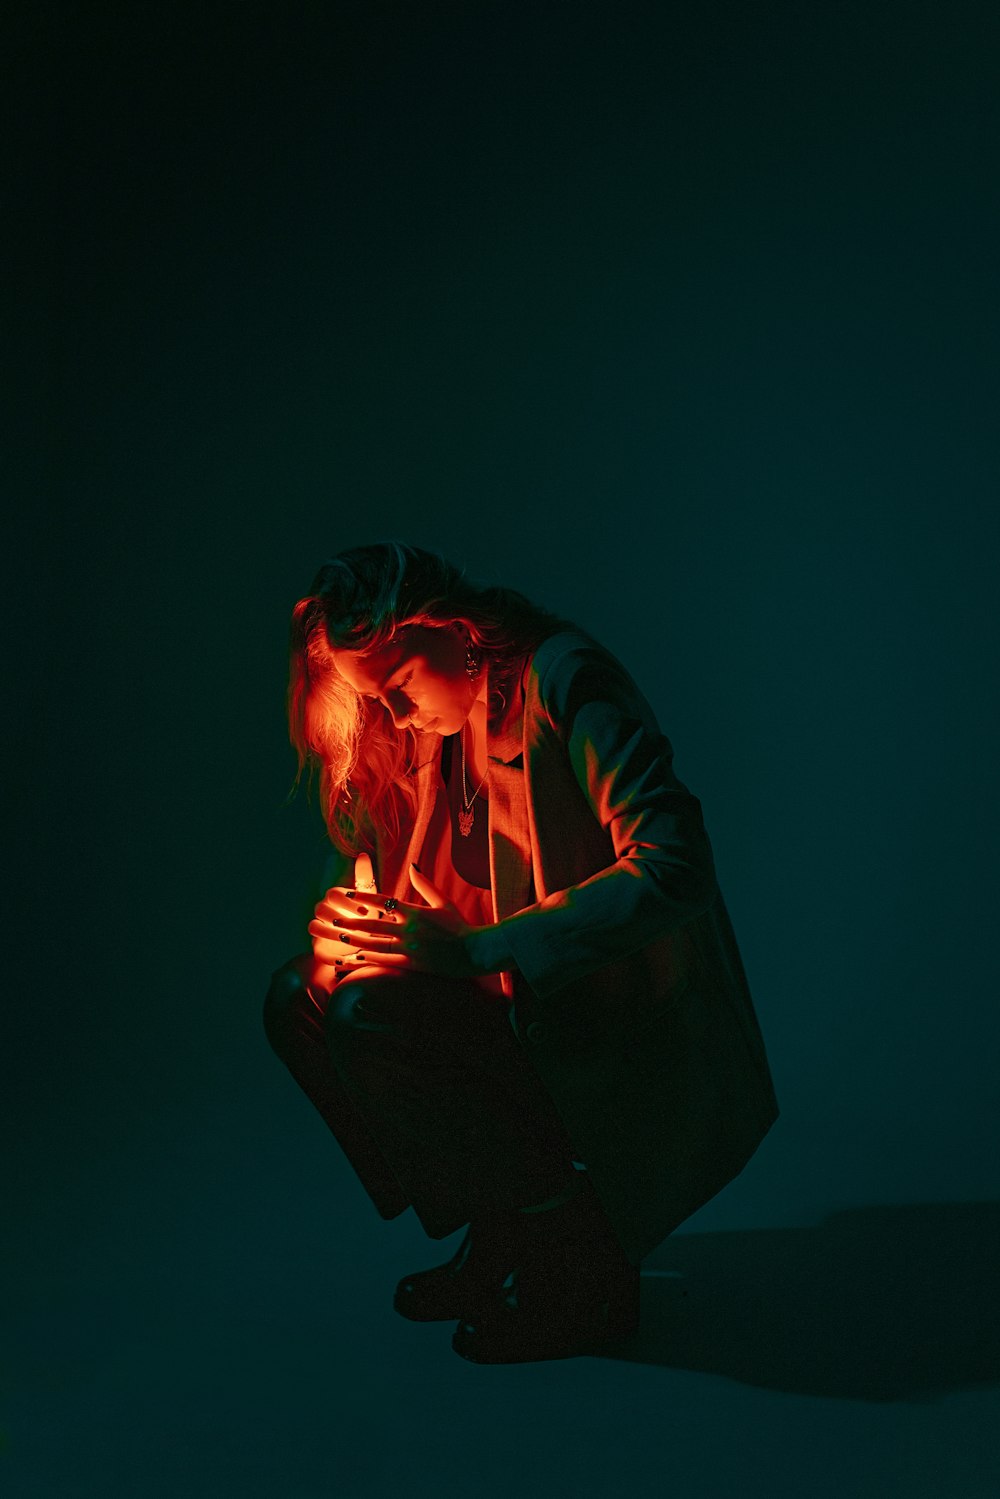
x=420, y=677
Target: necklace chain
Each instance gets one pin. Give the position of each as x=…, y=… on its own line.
x=467, y=812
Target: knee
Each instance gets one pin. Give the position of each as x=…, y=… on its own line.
x=345, y=1012
x=287, y=995
x=360, y=1007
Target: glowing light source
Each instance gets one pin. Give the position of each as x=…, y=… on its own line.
x=325, y=974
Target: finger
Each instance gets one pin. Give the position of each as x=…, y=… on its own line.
x=383, y=960
x=351, y=962
x=358, y=901
x=427, y=888
x=358, y=931
x=328, y=952
x=354, y=924
x=329, y=949
x=353, y=932
x=343, y=899
x=342, y=904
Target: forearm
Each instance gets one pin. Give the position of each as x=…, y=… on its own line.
x=574, y=932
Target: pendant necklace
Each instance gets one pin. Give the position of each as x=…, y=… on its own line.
x=467, y=811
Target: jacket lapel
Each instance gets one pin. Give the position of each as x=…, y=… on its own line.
x=510, y=840
x=427, y=775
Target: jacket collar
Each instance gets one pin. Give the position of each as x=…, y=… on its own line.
x=505, y=728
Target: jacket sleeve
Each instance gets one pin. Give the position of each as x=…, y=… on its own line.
x=599, y=731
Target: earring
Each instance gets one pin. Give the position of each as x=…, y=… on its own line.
x=472, y=661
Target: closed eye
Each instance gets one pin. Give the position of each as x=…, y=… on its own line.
x=398, y=687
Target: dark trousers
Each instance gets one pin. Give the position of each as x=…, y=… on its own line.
x=426, y=1088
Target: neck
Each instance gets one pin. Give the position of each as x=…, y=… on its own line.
x=475, y=740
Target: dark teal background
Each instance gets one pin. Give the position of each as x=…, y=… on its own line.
x=683, y=320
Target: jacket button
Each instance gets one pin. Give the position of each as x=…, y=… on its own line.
x=535, y=1031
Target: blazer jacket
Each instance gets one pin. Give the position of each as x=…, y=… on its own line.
x=629, y=994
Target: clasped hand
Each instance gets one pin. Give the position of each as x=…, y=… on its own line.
x=350, y=929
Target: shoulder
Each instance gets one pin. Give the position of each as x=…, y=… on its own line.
x=570, y=667
x=566, y=651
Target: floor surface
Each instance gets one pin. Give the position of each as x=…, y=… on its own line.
x=206, y=1310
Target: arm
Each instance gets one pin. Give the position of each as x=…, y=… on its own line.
x=594, y=717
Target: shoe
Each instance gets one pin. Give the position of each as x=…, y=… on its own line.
x=570, y=1289
x=519, y=1328
x=473, y=1275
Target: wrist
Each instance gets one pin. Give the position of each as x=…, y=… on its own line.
x=488, y=951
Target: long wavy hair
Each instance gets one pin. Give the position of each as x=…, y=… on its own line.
x=359, y=601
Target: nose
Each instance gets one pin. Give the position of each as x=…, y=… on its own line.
x=400, y=708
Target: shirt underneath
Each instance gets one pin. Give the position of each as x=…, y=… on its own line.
x=460, y=866
x=470, y=854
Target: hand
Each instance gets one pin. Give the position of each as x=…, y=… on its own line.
x=326, y=974
x=351, y=929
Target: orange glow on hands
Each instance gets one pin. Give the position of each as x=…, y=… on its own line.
x=326, y=973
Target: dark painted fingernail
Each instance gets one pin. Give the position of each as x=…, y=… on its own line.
x=381, y=915
x=350, y=895
x=344, y=937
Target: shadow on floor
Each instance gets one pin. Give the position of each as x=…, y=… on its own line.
x=879, y=1303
